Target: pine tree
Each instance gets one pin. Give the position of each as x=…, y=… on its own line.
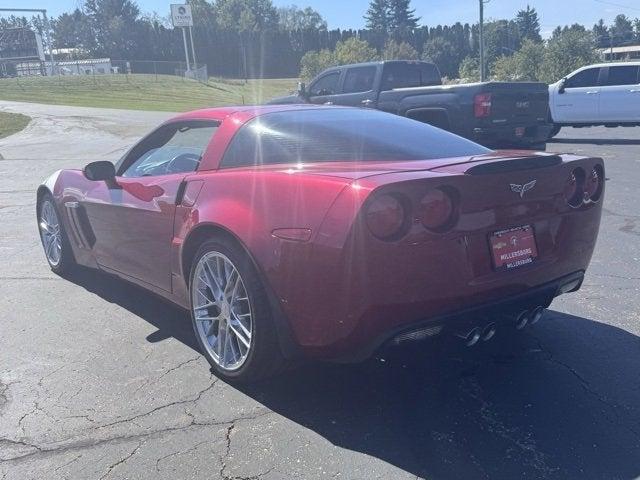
x=402, y=19
x=528, y=24
x=377, y=16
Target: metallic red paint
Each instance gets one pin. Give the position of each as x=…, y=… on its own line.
x=339, y=288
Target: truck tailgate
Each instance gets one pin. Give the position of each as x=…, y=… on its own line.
x=517, y=103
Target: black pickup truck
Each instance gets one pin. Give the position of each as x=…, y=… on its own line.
x=494, y=114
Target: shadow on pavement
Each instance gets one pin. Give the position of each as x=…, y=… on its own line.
x=597, y=141
x=561, y=400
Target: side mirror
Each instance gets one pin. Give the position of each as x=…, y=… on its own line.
x=100, y=171
x=561, y=86
x=302, y=90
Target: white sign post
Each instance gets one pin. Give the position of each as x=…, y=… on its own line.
x=181, y=17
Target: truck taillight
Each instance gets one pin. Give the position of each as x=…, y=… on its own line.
x=482, y=105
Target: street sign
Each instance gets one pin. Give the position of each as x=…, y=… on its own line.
x=181, y=16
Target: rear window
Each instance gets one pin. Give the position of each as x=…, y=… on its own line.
x=341, y=135
x=626, y=75
x=359, y=79
x=408, y=75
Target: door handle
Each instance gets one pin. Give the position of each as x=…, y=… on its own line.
x=592, y=92
x=635, y=90
x=328, y=103
x=367, y=102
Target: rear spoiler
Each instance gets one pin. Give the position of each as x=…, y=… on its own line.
x=515, y=164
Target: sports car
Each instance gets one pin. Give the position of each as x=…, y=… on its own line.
x=326, y=232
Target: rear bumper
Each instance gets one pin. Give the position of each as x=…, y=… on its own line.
x=504, y=136
x=474, y=315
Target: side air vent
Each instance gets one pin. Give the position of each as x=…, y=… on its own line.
x=515, y=164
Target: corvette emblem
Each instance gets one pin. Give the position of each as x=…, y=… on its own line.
x=522, y=189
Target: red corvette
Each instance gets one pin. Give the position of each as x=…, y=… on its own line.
x=327, y=232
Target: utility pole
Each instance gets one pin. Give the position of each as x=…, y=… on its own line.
x=483, y=73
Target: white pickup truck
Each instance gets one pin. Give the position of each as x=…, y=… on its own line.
x=604, y=94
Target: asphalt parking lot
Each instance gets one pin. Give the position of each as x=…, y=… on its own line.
x=99, y=379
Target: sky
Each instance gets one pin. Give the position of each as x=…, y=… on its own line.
x=348, y=13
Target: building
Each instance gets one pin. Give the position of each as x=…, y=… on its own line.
x=628, y=52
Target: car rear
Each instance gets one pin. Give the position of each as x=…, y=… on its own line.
x=464, y=243
x=509, y=114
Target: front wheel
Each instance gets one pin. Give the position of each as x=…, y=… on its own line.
x=54, y=239
x=231, y=315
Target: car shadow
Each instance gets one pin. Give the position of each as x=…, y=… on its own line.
x=596, y=141
x=560, y=400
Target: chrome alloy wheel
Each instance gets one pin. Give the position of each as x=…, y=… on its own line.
x=222, y=311
x=50, y=233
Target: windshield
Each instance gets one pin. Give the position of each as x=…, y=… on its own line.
x=349, y=135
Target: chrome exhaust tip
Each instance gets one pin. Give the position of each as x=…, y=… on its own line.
x=522, y=320
x=536, y=315
x=488, y=332
x=471, y=337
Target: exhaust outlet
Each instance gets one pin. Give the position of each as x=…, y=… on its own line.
x=488, y=332
x=522, y=320
x=536, y=315
x=471, y=337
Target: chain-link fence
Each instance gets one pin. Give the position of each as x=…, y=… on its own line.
x=102, y=66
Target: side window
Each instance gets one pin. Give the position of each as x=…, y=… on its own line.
x=326, y=85
x=626, y=75
x=359, y=79
x=173, y=148
x=400, y=75
x=585, y=78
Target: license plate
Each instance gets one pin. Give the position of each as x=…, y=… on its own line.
x=513, y=248
x=519, y=131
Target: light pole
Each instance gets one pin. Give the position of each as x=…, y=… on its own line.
x=483, y=73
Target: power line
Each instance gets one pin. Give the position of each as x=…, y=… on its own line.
x=617, y=5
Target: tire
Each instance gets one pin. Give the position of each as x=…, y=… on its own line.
x=221, y=317
x=53, y=236
x=554, y=131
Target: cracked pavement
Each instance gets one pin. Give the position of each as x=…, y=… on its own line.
x=101, y=380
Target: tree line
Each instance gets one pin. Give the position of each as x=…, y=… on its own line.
x=253, y=38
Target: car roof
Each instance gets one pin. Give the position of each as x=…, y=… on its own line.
x=612, y=64
x=249, y=111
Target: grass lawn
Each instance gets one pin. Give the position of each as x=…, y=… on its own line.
x=11, y=123
x=141, y=92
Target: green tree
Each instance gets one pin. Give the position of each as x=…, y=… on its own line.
x=601, y=33
x=394, y=50
x=246, y=15
x=402, y=19
x=622, y=30
x=314, y=62
x=377, y=16
x=73, y=30
x=443, y=54
x=469, y=69
x=528, y=24
x=115, y=26
x=568, y=49
x=354, y=50
x=524, y=65
x=292, y=18
x=204, y=13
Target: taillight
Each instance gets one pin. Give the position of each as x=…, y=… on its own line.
x=572, y=188
x=385, y=217
x=482, y=105
x=593, y=185
x=436, y=209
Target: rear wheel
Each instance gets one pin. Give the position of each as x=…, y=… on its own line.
x=231, y=315
x=54, y=239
